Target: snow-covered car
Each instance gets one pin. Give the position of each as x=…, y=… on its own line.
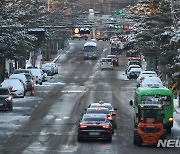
x=48, y=68
x=134, y=73
x=106, y=63
x=29, y=81
x=37, y=75
x=22, y=78
x=44, y=75
x=15, y=86
x=151, y=82
x=145, y=74
x=18, y=71
x=132, y=66
x=55, y=67
x=6, y=100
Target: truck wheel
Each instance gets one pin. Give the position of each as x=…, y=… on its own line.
x=139, y=141
x=79, y=139
x=109, y=139
x=168, y=130
x=135, y=137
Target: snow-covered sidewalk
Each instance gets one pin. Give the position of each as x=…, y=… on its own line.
x=176, y=106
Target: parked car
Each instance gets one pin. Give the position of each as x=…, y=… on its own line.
x=48, y=68
x=55, y=67
x=29, y=81
x=114, y=59
x=15, y=86
x=6, y=100
x=22, y=78
x=37, y=75
x=106, y=63
x=134, y=73
x=18, y=71
x=44, y=75
x=145, y=74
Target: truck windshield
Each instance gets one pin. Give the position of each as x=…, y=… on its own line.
x=151, y=115
x=163, y=100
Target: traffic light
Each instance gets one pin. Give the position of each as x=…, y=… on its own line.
x=126, y=26
x=76, y=31
x=84, y=31
x=81, y=31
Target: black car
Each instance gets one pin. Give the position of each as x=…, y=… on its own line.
x=114, y=59
x=102, y=110
x=94, y=126
x=112, y=110
x=6, y=99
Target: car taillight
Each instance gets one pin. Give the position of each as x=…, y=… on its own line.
x=116, y=60
x=82, y=126
x=110, y=118
x=105, y=126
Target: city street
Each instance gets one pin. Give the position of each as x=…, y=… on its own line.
x=47, y=122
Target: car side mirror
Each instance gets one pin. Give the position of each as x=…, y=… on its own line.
x=115, y=109
x=131, y=103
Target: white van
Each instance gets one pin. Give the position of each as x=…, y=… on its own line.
x=90, y=50
x=106, y=63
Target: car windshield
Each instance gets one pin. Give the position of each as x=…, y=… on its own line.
x=4, y=92
x=89, y=48
x=106, y=106
x=94, y=119
x=106, y=60
x=99, y=110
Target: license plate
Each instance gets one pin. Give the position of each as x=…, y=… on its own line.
x=94, y=133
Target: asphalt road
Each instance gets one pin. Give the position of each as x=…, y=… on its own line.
x=51, y=117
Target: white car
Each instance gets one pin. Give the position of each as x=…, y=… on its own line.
x=134, y=73
x=145, y=74
x=37, y=75
x=15, y=86
x=55, y=67
x=106, y=63
x=21, y=77
x=48, y=68
x=151, y=82
x=132, y=66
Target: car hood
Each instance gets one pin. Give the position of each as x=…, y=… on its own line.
x=2, y=97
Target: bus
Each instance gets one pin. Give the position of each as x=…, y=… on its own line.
x=161, y=96
x=90, y=50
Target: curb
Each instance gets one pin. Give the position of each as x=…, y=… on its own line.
x=176, y=110
x=65, y=49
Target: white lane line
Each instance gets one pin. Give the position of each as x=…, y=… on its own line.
x=66, y=117
x=58, y=119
